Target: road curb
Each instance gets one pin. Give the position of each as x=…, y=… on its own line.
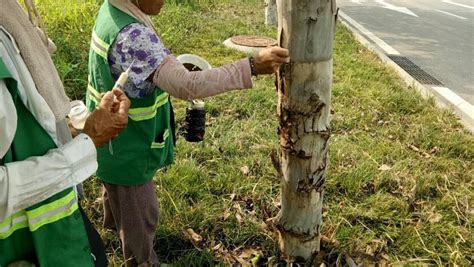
x=444, y=99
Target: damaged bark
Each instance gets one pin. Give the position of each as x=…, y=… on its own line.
x=304, y=101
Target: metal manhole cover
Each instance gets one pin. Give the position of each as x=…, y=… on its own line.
x=415, y=71
x=253, y=41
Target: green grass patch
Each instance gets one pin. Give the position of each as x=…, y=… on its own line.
x=401, y=175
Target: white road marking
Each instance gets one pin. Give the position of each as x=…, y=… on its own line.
x=400, y=9
x=455, y=99
x=385, y=47
x=447, y=13
x=457, y=4
x=356, y=2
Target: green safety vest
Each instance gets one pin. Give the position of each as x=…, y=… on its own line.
x=147, y=143
x=52, y=232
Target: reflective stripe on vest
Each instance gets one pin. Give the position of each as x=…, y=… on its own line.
x=136, y=114
x=40, y=216
x=146, y=113
x=166, y=134
x=13, y=223
x=94, y=94
x=99, y=46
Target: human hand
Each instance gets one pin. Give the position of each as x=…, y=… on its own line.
x=269, y=60
x=109, y=118
x=74, y=132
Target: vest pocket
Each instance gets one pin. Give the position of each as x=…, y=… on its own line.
x=160, y=140
x=159, y=150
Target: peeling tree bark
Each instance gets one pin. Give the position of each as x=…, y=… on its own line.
x=306, y=28
x=271, y=17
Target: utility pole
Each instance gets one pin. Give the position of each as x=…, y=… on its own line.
x=306, y=28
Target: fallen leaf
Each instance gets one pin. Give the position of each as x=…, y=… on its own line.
x=232, y=197
x=239, y=214
x=247, y=253
x=241, y=261
x=193, y=235
x=264, y=227
x=226, y=215
x=384, y=167
x=470, y=211
x=237, y=207
x=414, y=148
x=434, y=217
x=375, y=247
x=217, y=247
x=238, y=217
x=434, y=150
x=245, y=170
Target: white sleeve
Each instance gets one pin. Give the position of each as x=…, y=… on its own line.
x=25, y=183
x=8, y=119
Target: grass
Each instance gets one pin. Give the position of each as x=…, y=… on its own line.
x=400, y=183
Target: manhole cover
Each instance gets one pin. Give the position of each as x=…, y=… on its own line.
x=253, y=41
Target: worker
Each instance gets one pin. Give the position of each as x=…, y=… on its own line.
x=41, y=223
x=123, y=37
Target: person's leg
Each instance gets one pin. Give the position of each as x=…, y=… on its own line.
x=135, y=211
x=109, y=221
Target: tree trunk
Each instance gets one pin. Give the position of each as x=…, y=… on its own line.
x=271, y=12
x=307, y=29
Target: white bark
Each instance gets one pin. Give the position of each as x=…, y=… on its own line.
x=306, y=28
x=271, y=17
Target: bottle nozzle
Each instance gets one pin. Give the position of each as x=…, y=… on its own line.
x=130, y=67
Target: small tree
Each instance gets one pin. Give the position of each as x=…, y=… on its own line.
x=307, y=29
x=271, y=17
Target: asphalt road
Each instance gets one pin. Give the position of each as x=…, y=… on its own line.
x=437, y=35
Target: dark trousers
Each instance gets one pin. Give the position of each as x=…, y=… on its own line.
x=133, y=212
